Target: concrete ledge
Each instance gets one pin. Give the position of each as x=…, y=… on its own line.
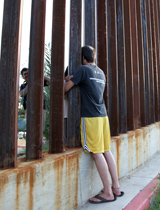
x=134, y=148
x=66, y=181
x=142, y=200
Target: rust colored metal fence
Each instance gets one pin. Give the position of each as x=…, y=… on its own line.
x=126, y=35
x=9, y=83
x=35, y=81
x=57, y=72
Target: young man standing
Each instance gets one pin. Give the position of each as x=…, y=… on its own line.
x=24, y=89
x=95, y=130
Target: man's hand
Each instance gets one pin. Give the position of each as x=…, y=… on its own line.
x=68, y=77
x=68, y=85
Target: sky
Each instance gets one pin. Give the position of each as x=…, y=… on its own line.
x=25, y=36
x=26, y=29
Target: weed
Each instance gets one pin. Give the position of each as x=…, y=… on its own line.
x=155, y=204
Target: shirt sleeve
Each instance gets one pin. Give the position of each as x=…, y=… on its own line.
x=78, y=76
x=22, y=87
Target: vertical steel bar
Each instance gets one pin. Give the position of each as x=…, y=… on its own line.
x=74, y=62
x=150, y=63
x=141, y=63
x=121, y=69
x=158, y=31
x=155, y=40
x=9, y=74
x=102, y=42
x=113, y=68
x=135, y=65
x=90, y=38
x=146, y=69
x=57, y=78
x=35, y=81
x=129, y=73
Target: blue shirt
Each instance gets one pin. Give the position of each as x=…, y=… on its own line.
x=91, y=81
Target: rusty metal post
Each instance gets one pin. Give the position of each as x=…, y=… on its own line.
x=157, y=6
x=102, y=42
x=135, y=65
x=90, y=38
x=121, y=69
x=74, y=61
x=129, y=73
x=57, y=78
x=150, y=64
x=35, y=81
x=155, y=57
x=9, y=74
x=141, y=63
x=113, y=94
x=145, y=62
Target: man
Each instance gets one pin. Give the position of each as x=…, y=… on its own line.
x=95, y=131
x=24, y=90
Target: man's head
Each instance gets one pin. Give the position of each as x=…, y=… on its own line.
x=89, y=54
x=24, y=73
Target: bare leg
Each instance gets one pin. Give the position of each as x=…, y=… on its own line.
x=113, y=171
x=102, y=168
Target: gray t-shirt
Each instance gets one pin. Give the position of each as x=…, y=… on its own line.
x=91, y=81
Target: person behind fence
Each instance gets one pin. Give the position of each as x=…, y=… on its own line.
x=24, y=89
x=95, y=130
x=65, y=108
x=67, y=77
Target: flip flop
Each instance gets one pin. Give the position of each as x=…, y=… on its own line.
x=102, y=200
x=122, y=193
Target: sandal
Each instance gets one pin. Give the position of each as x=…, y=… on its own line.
x=121, y=192
x=102, y=200
x=113, y=188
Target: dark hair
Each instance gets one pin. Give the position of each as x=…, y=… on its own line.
x=24, y=69
x=89, y=53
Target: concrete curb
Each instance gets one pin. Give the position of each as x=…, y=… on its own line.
x=142, y=200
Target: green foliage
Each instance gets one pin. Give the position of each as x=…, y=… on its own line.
x=45, y=146
x=155, y=204
x=47, y=72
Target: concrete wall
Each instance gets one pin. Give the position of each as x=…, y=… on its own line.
x=66, y=181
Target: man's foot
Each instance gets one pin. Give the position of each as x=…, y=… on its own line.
x=102, y=198
x=117, y=192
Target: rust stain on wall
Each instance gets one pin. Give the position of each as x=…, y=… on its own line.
x=25, y=175
x=145, y=143
x=139, y=151
x=118, y=146
x=66, y=173
x=159, y=136
x=71, y=179
x=59, y=173
x=31, y=187
x=3, y=181
x=3, y=187
x=130, y=151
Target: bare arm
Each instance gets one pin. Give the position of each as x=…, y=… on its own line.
x=23, y=92
x=68, y=85
x=68, y=77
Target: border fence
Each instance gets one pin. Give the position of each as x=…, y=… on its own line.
x=126, y=35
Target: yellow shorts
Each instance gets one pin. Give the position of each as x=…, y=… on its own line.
x=95, y=134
